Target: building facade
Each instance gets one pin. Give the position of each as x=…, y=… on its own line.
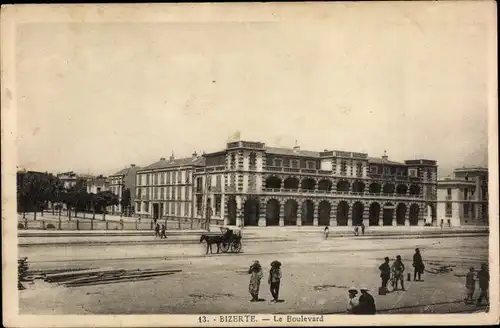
x=96, y=184
x=250, y=184
x=120, y=181
x=463, y=199
x=165, y=189
x=68, y=179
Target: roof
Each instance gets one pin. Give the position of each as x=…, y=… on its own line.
x=291, y=152
x=164, y=164
x=376, y=160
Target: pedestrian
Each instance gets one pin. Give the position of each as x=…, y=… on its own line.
x=418, y=265
x=326, y=232
x=441, y=224
x=470, y=286
x=157, y=230
x=398, y=268
x=353, y=301
x=484, y=283
x=449, y=223
x=256, y=275
x=363, y=228
x=275, y=280
x=356, y=231
x=385, y=273
x=163, y=231
x=366, y=302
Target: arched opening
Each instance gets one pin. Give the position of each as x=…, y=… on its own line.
x=231, y=211
x=414, y=189
x=375, y=188
x=400, y=214
x=307, y=212
x=272, y=213
x=290, y=212
x=308, y=184
x=325, y=185
x=291, y=183
x=358, y=186
x=324, y=213
x=357, y=213
x=388, y=188
x=414, y=211
x=273, y=182
x=343, y=186
x=430, y=216
x=401, y=189
x=342, y=213
x=388, y=214
x=374, y=214
x=251, y=212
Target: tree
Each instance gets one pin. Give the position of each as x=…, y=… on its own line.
x=105, y=199
x=126, y=201
x=33, y=191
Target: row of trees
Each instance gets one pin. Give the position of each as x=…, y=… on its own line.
x=35, y=190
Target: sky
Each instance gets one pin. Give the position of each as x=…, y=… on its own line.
x=96, y=97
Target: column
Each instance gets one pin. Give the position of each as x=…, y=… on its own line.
x=366, y=214
x=239, y=212
x=282, y=213
x=381, y=216
x=421, y=213
x=349, y=215
x=299, y=214
x=407, y=217
x=394, y=223
x=262, y=213
x=333, y=215
x=316, y=214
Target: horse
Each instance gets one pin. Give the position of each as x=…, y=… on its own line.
x=210, y=240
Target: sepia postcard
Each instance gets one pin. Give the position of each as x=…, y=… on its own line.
x=250, y=164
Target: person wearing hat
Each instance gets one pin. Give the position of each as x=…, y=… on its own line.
x=353, y=302
x=275, y=279
x=366, y=302
x=398, y=268
x=385, y=273
x=483, y=277
x=256, y=275
x=418, y=265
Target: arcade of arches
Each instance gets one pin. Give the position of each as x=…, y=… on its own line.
x=291, y=212
x=342, y=186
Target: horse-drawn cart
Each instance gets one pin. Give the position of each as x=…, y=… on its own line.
x=227, y=240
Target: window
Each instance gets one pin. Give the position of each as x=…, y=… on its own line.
x=168, y=177
x=252, y=161
x=162, y=178
x=173, y=193
x=162, y=193
x=303, y=164
x=286, y=162
x=448, y=192
x=148, y=179
x=311, y=165
x=186, y=193
x=178, y=209
x=217, y=205
x=295, y=164
x=199, y=184
x=188, y=174
x=179, y=177
x=186, y=209
x=448, y=210
x=146, y=207
x=155, y=192
x=179, y=193
x=139, y=193
x=413, y=172
x=173, y=176
x=429, y=174
x=277, y=162
x=359, y=169
x=233, y=162
x=343, y=167
x=218, y=181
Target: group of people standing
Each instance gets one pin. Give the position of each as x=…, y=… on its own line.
x=483, y=277
x=161, y=232
x=397, y=270
x=274, y=280
x=365, y=304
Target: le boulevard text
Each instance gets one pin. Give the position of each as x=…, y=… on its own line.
x=256, y=319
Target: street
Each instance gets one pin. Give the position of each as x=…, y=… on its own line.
x=316, y=275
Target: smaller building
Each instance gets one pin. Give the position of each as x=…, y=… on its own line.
x=463, y=198
x=96, y=184
x=119, y=182
x=68, y=179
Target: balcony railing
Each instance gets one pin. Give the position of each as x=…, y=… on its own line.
x=336, y=192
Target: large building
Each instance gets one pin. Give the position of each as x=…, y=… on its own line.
x=463, y=198
x=120, y=181
x=250, y=184
x=165, y=189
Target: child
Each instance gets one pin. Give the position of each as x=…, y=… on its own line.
x=470, y=286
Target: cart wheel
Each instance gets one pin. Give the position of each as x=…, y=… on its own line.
x=224, y=247
x=236, y=247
